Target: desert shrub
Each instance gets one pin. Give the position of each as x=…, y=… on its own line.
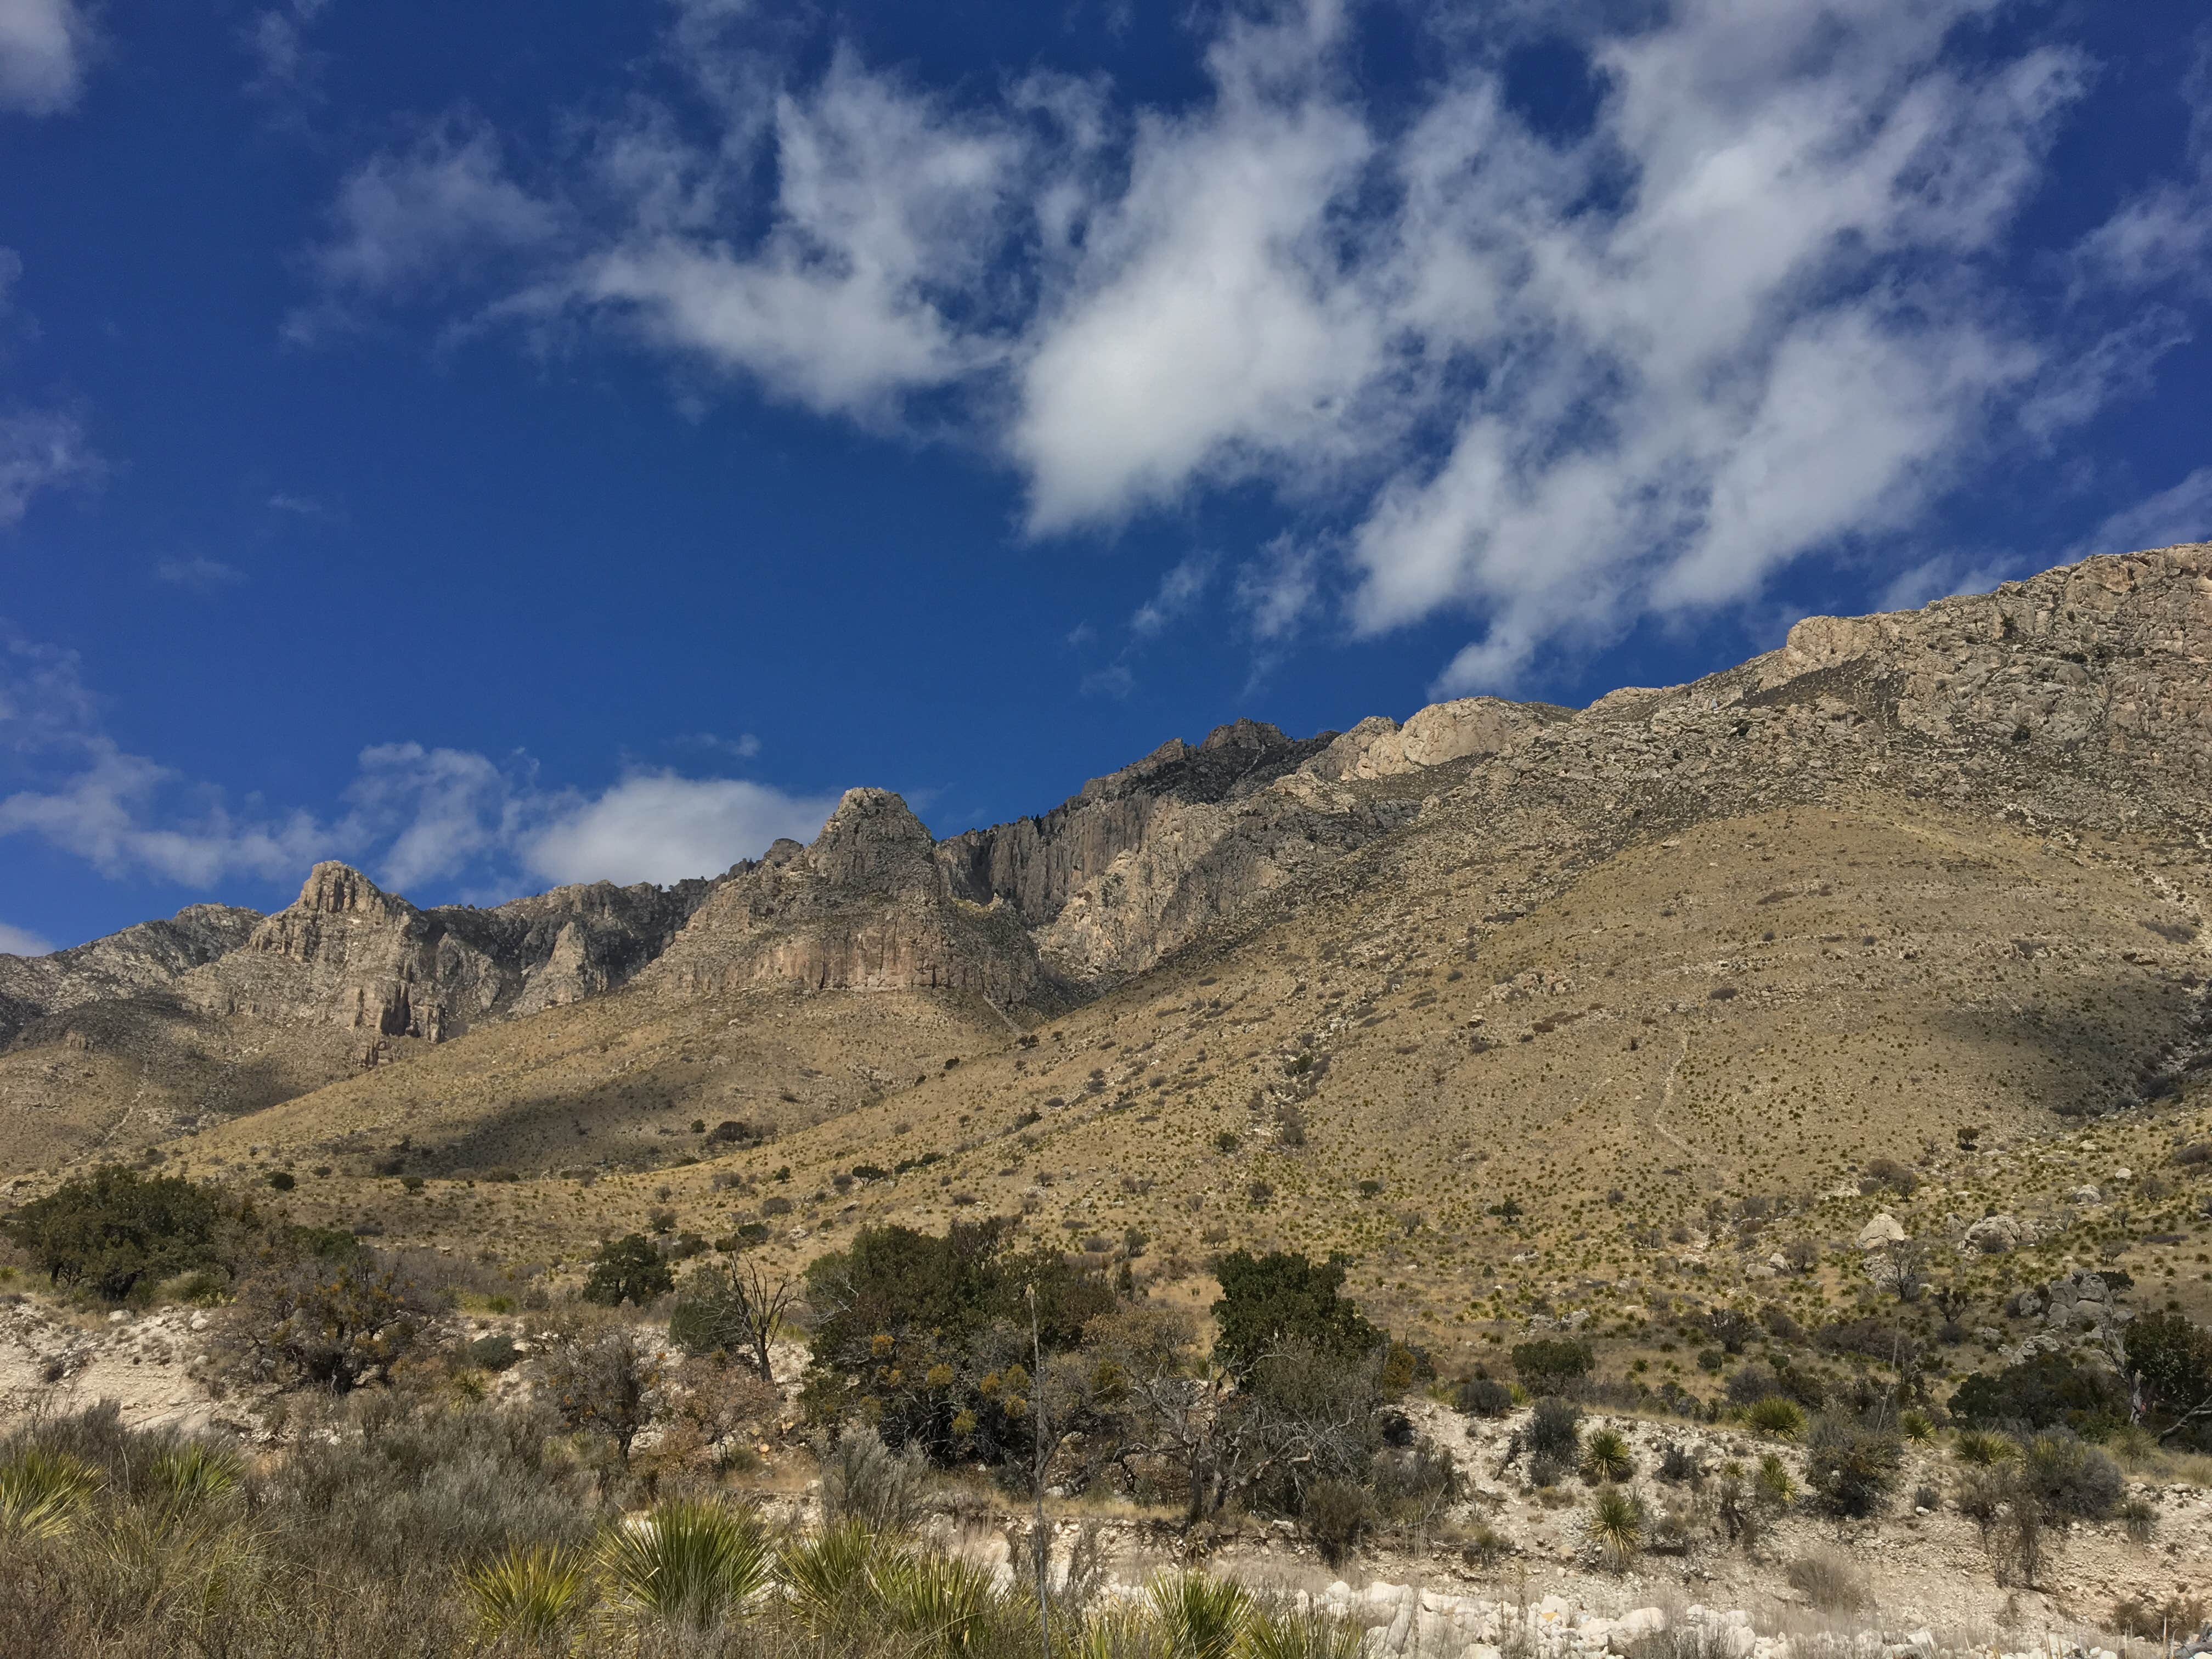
x=1772, y=1481
x=866, y=1484
x=2140, y=1517
x=1917, y=1427
x=1547, y=1469
x=2173, y=1619
x=2049, y=1390
x=2072, y=1479
x=1749, y=1384
x=628, y=1269
x=114, y=1228
x=1484, y=1545
x=1414, y=1483
x=331, y=1325
x=1555, y=1426
x=1482, y=1396
x=2174, y=1357
x=1606, y=1458
x=607, y=1383
x=1337, y=1514
x=1776, y=1418
x=1851, y=1464
x=1887, y=1174
x=1283, y=1298
x=1677, y=1466
x=1830, y=1580
x=1552, y=1365
x=494, y=1352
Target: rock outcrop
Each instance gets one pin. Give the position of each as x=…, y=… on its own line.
x=867, y=907
x=149, y=958
x=349, y=953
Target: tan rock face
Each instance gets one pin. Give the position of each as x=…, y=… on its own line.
x=867, y=908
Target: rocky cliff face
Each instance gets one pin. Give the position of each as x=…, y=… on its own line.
x=349, y=953
x=149, y=956
x=868, y=907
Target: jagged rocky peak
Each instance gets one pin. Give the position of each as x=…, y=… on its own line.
x=147, y=957
x=873, y=843
x=336, y=888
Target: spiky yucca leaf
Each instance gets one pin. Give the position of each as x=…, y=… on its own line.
x=828, y=1575
x=1201, y=1616
x=42, y=1493
x=195, y=1474
x=1286, y=1635
x=1616, y=1526
x=1606, y=1456
x=687, y=1562
x=1774, y=1416
x=1116, y=1630
x=527, y=1595
x=947, y=1602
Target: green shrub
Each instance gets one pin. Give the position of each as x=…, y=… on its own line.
x=1281, y=1298
x=2048, y=1390
x=628, y=1269
x=527, y=1595
x=688, y=1562
x=495, y=1351
x=1552, y=1365
x=2173, y=1357
x=113, y=1228
x=333, y=1326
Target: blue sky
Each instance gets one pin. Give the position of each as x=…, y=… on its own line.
x=504, y=446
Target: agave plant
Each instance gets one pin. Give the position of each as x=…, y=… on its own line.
x=527, y=1595
x=1616, y=1526
x=1606, y=1456
x=1199, y=1616
x=42, y=1493
x=687, y=1562
x=1774, y=1482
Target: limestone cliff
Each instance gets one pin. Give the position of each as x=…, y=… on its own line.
x=867, y=908
x=149, y=957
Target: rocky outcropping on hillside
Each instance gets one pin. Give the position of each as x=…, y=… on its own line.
x=149, y=956
x=349, y=953
x=867, y=908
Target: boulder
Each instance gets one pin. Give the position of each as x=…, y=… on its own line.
x=1882, y=1229
x=1995, y=1235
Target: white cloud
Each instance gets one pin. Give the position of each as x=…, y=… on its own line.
x=659, y=826
x=285, y=65
x=21, y=942
x=43, y=48
x=1945, y=575
x=2181, y=514
x=413, y=816
x=1549, y=383
x=200, y=572
x=1178, y=593
x=38, y=450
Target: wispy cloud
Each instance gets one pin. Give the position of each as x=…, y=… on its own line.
x=2182, y=513
x=1177, y=595
x=414, y=814
x=39, y=450
x=44, y=46
x=22, y=941
x=1549, y=383
x=200, y=572
x=304, y=506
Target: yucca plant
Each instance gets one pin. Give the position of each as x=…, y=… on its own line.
x=1982, y=1449
x=946, y=1603
x=42, y=1493
x=1279, y=1634
x=1115, y=1632
x=1606, y=1458
x=1616, y=1526
x=192, y=1474
x=1776, y=1418
x=1917, y=1427
x=1201, y=1616
x=828, y=1577
x=1775, y=1485
x=526, y=1595
x=687, y=1562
